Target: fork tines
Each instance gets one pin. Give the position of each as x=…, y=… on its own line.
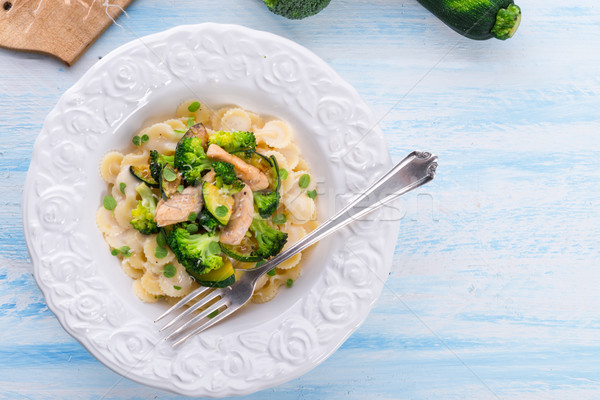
x=208, y=301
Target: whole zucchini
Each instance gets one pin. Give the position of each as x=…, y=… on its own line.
x=477, y=19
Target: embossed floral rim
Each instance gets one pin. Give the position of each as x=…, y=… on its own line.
x=72, y=268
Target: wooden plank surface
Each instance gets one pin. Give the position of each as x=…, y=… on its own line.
x=493, y=292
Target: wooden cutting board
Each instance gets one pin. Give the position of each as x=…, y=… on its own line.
x=61, y=28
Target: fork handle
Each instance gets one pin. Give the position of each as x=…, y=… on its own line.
x=415, y=170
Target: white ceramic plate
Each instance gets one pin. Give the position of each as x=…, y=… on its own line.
x=264, y=345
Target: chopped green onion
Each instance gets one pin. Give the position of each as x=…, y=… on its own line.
x=195, y=106
x=283, y=174
x=160, y=252
x=190, y=122
x=136, y=140
x=169, y=270
x=115, y=252
x=178, y=131
x=304, y=181
x=176, y=287
x=122, y=187
x=221, y=211
x=271, y=272
x=192, y=228
x=213, y=314
x=289, y=282
x=279, y=219
x=311, y=193
x=169, y=175
x=180, y=188
x=109, y=202
x=161, y=240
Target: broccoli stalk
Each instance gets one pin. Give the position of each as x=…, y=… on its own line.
x=226, y=178
x=270, y=240
x=143, y=214
x=233, y=141
x=296, y=9
x=191, y=160
x=157, y=162
x=198, y=253
x=267, y=201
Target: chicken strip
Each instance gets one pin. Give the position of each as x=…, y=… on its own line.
x=179, y=206
x=252, y=176
x=240, y=221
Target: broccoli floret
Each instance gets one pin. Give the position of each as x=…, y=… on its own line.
x=157, y=162
x=143, y=214
x=198, y=253
x=191, y=160
x=233, y=141
x=226, y=178
x=296, y=9
x=270, y=240
x=266, y=202
x=208, y=221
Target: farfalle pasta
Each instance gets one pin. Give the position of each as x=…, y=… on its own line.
x=200, y=197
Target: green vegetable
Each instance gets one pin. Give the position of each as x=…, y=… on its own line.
x=160, y=252
x=122, y=187
x=233, y=141
x=304, y=181
x=207, y=221
x=311, y=193
x=226, y=178
x=267, y=201
x=477, y=19
x=191, y=160
x=279, y=219
x=194, y=251
x=235, y=253
x=289, y=282
x=109, y=202
x=144, y=174
x=195, y=106
x=170, y=181
x=270, y=240
x=271, y=272
x=157, y=163
x=143, y=214
x=169, y=270
x=218, y=203
x=296, y=9
x=222, y=277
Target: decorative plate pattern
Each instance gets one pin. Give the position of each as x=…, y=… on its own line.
x=265, y=345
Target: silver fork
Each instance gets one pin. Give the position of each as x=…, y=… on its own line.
x=415, y=170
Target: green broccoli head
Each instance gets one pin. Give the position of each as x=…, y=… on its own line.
x=270, y=240
x=191, y=160
x=198, y=253
x=266, y=203
x=296, y=9
x=226, y=178
x=157, y=162
x=233, y=141
x=207, y=221
x=143, y=215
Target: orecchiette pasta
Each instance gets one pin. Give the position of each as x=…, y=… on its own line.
x=153, y=267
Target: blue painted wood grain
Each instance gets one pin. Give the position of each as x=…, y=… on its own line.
x=494, y=288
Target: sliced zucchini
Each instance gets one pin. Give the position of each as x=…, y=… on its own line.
x=218, y=278
x=236, y=254
x=217, y=202
x=169, y=181
x=142, y=172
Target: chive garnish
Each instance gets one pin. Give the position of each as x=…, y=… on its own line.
x=190, y=122
x=160, y=252
x=213, y=314
x=289, y=282
x=176, y=287
x=283, y=174
x=136, y=140
x=115, y=252
x=161, y=240
x=271, y=272
x=145, y=138
x=311, y=193
x=122, y=187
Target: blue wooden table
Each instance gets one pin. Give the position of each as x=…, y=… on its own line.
x=494, y=287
